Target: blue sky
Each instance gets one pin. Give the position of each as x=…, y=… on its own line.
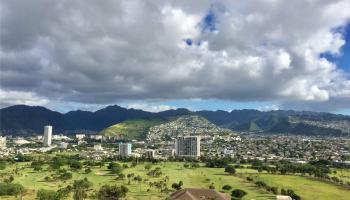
x=343, y=60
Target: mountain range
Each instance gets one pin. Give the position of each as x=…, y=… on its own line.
x=27, y=120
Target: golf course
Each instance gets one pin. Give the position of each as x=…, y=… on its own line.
x=200, y=177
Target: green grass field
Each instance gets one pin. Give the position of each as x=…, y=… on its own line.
x=307, y=188
x=192, y=178
x=343, y=174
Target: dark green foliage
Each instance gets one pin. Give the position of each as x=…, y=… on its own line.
x=80, y=188
x=88, y=170
x=195, y=165
x=177, y=186
x=227, y=187
x=211, y=186
x=115, y=168
x=48, y=195
x=37, y=168
x=155, y=172
x=230, y=169
x=148, y=167
x=11, y=189
x=76, y=165
x=23, y=158
x=290, y=193
x=108, y=192
x=216, y=163
x=237, y=193
x=64, y=175
x=9, y=180
x=2, y=164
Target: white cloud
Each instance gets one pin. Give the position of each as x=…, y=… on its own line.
x=269, y=108
x=150, y=107
x=97, y=53
x=27, y=98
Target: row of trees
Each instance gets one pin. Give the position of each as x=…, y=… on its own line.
x=80, y=191
x=274, y=190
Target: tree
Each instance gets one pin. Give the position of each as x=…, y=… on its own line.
x=155, y=172
x=2, y=165
x=108, y=192
x=238, y=193
x=211, y=186
x=47, y=195
x=76, y=165
x=115, y=168
x=230, y=169
x=177, y=186
x=195, y=165
x=11, y=189
x=148, y=167
x=38, y=168
x=88, y=170
x=121, y=176
x=133, y=164
x=290, y=193
x=79, y=194
x=227, y=187
x=274, y=190
x=130, y=176
x=80, y=187
x=186, y=165
x=64, y=175
x=9, y=180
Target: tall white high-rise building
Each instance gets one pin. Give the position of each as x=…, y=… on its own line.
x=124, y=149
x=188, y=146
x=2, y=142
x=47, y=135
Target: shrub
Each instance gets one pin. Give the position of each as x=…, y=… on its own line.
x=11, y=189
x=230, y=169
x=47, y=195
x=227, y=187
x=238, y=193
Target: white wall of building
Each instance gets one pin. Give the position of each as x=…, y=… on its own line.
x=47, y=135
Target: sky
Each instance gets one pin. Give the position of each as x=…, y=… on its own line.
x=157, y=55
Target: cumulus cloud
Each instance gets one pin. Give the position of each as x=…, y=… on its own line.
x=8, y=98
x=93, y=52
x=269, y=108
x=151, y=107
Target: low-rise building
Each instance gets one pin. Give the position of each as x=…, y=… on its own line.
x=63, y=145
x=98, y=147
x=79, y=136
x=150, y=153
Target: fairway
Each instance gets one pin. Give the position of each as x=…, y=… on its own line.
x=192, y=178
x=308, y=189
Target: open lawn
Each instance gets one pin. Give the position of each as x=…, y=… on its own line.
x=307, y=188
x=192, y=178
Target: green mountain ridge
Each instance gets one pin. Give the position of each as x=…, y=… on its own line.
x=131, y=129
x=185, y=125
